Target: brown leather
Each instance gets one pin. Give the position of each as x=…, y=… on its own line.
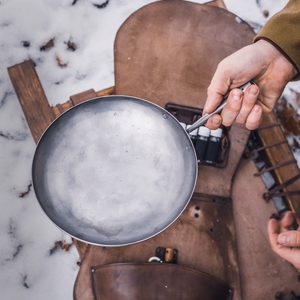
x=263, y=273
x=167, y=52
x=204, y=236
x=156, y=281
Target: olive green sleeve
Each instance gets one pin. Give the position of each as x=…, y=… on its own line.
x=283, y=31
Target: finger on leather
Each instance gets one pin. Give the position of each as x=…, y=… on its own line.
x=283, y=251
x=249, y=100
x=273, y=231
x=254, y=117
x=292, y=255
x=232, y=107
x=289, y=238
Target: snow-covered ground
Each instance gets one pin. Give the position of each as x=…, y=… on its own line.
x=31, y=267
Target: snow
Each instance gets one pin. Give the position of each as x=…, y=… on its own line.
x=28, y=271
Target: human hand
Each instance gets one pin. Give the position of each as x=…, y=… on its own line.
x=261, y=62
x=285, y=242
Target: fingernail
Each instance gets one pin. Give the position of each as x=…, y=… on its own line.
x=237, y=96
x=253, y=89
x=283, y=239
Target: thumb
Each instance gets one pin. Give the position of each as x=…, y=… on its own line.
x=289, y=238
x=217, y=89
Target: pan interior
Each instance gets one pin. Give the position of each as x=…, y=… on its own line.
x=114, y=170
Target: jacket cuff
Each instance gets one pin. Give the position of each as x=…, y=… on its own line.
x=283, y=31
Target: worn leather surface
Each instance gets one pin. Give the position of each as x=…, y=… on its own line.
x=263, y=273
x=156, y=281
x=204, y=236
x=167, y=52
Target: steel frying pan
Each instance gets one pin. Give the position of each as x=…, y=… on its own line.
x=115, y=170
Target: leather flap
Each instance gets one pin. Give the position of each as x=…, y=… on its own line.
x=155, y=281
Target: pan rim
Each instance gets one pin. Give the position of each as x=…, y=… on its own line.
x=100, y=98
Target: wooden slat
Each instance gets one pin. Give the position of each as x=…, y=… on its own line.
x=60, y=108
x=106, y=92
x=32, y=97
x=83, y=96
x=280, y=154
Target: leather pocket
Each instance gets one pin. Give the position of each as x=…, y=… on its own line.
x=156, y=281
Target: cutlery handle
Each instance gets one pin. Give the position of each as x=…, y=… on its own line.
x=204, y=118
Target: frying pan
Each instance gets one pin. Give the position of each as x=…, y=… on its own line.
x=115, y=170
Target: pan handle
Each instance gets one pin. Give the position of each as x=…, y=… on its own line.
x=204, y=118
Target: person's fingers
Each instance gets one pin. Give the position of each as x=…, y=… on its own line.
x=249, y=99
x=254, y=117
x=285, y=252
x=292, y=255
x=289, y=238
x=273, y=232
x=217, y=89
x=287, y=221
x=288, y=253
x=232, y=107
x=214, y=122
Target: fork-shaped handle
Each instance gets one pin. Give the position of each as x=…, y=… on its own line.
x=204, y=118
